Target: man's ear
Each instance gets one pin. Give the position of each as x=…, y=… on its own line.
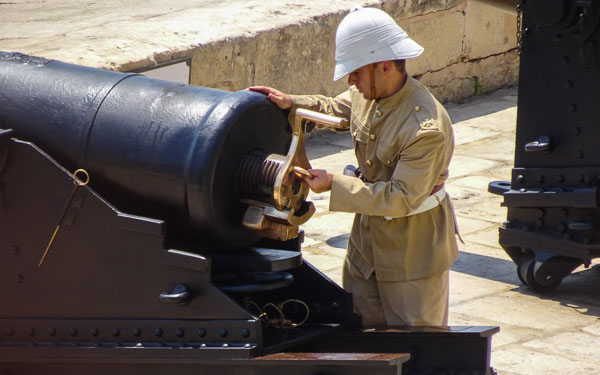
x=387, y=66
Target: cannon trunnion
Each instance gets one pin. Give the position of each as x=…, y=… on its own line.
x=149, y=227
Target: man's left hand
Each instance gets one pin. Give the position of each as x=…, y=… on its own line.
x=320, y=181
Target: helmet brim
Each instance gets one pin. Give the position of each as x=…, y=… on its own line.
x=404, y=49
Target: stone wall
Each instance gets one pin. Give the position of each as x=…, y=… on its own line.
x=469, y=50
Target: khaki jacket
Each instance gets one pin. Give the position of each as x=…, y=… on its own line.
x=403, y=145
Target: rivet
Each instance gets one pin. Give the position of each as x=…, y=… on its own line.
x=245, y=332
x=521, y=178
x=560, y=178
x=9, y=331
x=14, y=249
x=73, y=331
x=523, y=190
x=137, y=332
x=179, y=332
x=335, y=306
x=223, y=332
x=225, y=345
x=201, y=332
x=30, y=331
x=94, y=331
x=51, y=331
x=19, y=278
x=247, y=345
x=116, y=331
x=158, y=332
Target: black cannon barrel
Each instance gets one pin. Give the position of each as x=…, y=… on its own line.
x=151, y=147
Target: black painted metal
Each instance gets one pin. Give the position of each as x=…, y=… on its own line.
x=552, y=198
x=153, y=148
x=91, y=288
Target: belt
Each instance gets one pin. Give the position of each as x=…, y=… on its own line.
x=432, y=201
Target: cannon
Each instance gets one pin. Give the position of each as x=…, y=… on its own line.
x=151, y=227
x=553, y=217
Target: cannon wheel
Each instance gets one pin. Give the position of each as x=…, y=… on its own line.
x=545, y=276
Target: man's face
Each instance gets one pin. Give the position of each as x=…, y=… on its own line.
x=362, y=80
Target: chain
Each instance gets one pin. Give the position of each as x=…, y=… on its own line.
x=519, y=31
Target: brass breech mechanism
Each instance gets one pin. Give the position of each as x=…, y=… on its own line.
x=270, y=186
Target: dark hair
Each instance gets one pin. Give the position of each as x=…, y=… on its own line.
x=400, y=65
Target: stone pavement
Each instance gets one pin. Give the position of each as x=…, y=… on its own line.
x=553, y=334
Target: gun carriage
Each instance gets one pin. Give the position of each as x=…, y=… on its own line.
x=152, y=227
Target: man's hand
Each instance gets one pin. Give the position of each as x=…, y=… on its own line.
x=320, y=181
x=283, y=100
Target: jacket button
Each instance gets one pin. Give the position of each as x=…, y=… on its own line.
x=378, y=112
x=369, y=163
x=417, y=108
x=354, y=134
x=388, y=162
x=372, y=136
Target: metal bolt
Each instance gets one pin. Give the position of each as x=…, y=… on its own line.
x=245, y=332
x=94, y=331
x=116, y=332
x=19, y=278
x=179, y=332
x=223, y=332
x=201, y=332
x=51, y=331
x=523, y=190
x=73, y=331
x=30, y=331
x=9, y=331
x=137, y=332
x=521, y=178
x=158, y=332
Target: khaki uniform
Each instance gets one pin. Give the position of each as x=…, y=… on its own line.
x=403, y=144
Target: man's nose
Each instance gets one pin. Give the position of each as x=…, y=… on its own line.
x=351, y=79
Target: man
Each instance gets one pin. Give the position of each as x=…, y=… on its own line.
x=402, y=241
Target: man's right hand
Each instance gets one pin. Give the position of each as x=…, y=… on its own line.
x=283, y=100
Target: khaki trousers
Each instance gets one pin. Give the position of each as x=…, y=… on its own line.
x=422, y=302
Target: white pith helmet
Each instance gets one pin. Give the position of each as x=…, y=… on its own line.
x=370, y=35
